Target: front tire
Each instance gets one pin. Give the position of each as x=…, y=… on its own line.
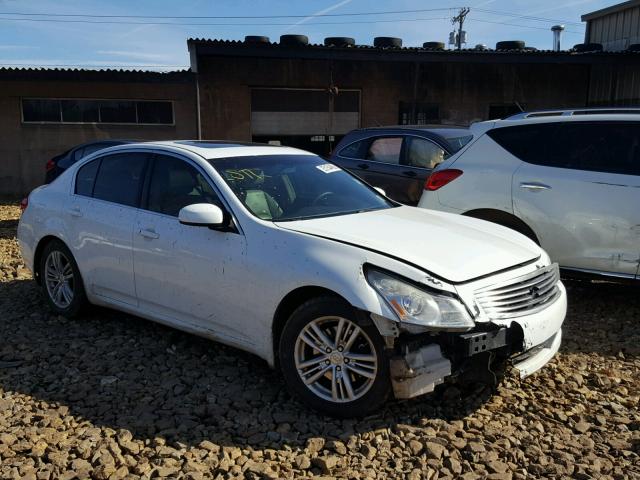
x=61, y=281
x=332, y=361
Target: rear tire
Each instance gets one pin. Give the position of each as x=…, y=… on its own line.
x=332, y=361
x=61, y=281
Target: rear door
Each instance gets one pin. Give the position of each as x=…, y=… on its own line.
x=101, y=214
x=579, y=189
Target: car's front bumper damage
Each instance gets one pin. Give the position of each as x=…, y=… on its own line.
x=420, y=362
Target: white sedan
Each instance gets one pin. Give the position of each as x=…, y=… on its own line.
x=278, y=252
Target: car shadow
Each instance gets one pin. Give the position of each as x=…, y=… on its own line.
x=612, y=309
x=121, y=372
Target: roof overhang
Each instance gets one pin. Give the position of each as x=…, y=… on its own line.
x=609, y=10
x=222, y=48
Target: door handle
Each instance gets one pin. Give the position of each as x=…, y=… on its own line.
x=148, y=233
x=534, y=186
x=75, y=212
x=410, y=173
x=363, y=166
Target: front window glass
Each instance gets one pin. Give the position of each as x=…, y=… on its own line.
x=176, y=184
x=295, y=187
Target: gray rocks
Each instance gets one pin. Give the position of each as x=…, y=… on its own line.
x=109, y=396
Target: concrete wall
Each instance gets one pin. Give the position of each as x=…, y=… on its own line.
x=463, y=92
x=25, y=148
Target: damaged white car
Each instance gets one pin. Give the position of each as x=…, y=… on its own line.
x=275, y=251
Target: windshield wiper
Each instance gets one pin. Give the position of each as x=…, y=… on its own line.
x=325, y=215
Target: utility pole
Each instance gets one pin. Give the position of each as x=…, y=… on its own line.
x=459, y=20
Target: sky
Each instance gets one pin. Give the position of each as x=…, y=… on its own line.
x=122, y=35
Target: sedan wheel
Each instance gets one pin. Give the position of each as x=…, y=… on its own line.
x=333, y=360
x=61, y=280
x=336, y=359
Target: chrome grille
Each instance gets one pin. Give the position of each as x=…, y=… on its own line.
x=522, y=295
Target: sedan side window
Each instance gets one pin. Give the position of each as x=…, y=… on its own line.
x=175, y=184
x=423, y=153
x=119, y=178
x=385, y=149
x=86, y=177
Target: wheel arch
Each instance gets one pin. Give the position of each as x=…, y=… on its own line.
x=505, y=219
x=37, y=255
x=288, y=305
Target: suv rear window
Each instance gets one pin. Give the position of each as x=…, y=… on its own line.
x=527, y=142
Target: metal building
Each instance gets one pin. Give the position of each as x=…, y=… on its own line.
x=616, y=27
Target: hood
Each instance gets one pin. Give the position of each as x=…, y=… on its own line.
x=453, y=247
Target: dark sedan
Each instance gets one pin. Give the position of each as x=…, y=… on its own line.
x=60, y=163
x=398, y=159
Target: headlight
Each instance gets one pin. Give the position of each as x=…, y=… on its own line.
x=417, y=307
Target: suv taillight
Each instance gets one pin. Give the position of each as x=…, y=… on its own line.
x=50, y=165
x=24, y=204
x=440, y=178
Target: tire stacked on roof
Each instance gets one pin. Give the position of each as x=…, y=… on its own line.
x=588, y=47
x=387, y=42
x=510, y=45
x=294, y=40
x=256, y=39
x=433, y=45
x=339, y=42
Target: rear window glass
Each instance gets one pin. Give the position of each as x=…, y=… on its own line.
x=86, y=177
x=526, y=142
x=355, y=150
x=120, y=178
x=457, y=143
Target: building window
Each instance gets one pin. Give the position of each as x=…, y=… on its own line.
x=142, y=112
x=425, y=113
x=503, y=111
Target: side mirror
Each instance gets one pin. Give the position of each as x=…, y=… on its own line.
x=201, y=215
x=380, y=191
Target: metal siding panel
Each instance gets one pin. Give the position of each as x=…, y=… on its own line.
x=303, y=123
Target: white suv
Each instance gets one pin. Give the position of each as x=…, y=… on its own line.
x=569, y=180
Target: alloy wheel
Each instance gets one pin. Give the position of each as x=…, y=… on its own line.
x=59, y=279
x=336, y=359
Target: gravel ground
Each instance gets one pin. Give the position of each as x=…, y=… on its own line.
x=113, y=396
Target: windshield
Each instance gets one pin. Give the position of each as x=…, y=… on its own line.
x=296, y=187
x=456, y=137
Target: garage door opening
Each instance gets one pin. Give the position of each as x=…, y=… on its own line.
x=311, y=119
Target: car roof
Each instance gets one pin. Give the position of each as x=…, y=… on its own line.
x=605, y=114
x=421, y=128
x=213, y=149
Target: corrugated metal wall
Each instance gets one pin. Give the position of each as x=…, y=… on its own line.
x=616, y=31
x=614, y=85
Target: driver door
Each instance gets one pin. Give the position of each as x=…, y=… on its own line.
x=186, y=274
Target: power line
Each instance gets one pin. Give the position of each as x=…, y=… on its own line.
x=229, y=17
x=518, y=25
x=114, y=22
x=526, y=17
x=401, y=20
x=82, y=65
